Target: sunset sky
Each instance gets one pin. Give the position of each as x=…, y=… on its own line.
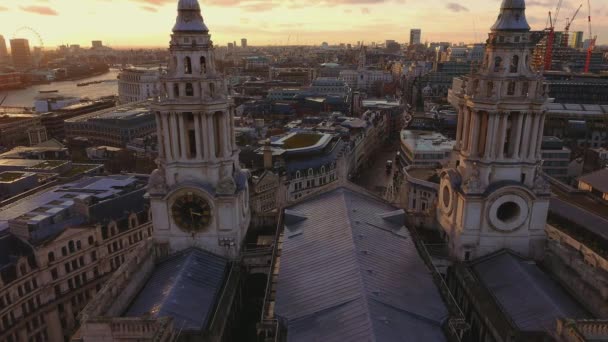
x=147, y=23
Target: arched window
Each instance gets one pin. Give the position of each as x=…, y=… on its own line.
x=189, y=89
x=64, y=251
x=203, y=65
x=187, y=65
x=298, y=174
x=91, y=241
x=78, y=245
x=511, y=88
x=311, y=172
x=51, y=256
x=176, y=90
x=174, y=64
x=490, y=89
x=71, y=246
x=211, y=89
x=322, y=169
x=514, y=64
x=497, y=64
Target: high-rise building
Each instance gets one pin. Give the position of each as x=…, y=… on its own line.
x=3, y=50
x=22, y=57
x=97, y=44
x=415, y=35
x=494, y=196
x=243, y=42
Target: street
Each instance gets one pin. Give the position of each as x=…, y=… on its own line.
x=375, y=178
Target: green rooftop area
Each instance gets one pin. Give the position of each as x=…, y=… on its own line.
x=79, y=169
x=10, y=176
x=301, y=140
x=49, y=164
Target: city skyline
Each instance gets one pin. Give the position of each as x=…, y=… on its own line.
x=265, y=22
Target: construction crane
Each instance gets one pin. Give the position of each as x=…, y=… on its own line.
x=592, y=40
x=551, y=36
x=566, y=37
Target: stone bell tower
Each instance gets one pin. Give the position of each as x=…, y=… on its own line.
x=199, y=194
x=493, y=196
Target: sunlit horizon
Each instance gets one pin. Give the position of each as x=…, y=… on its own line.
x=147, y=23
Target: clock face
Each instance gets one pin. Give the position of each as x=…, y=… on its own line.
x=191, y=212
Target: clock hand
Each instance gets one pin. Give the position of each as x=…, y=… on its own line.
x=195, y=213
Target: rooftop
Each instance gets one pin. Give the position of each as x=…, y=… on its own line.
x=349, y=271
x=527, y=295
x=126, y=112
x=426, y=141
x=9, y=177
x=94, y=190
x=598, y=180
x=175, y=283
x=302, y=142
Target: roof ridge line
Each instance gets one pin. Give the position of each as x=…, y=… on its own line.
x=360, y=271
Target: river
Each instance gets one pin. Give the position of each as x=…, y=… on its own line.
x=26, y=97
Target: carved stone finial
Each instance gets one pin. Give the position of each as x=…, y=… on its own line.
x=473, y=183
x=227, y=186
x=157, y=183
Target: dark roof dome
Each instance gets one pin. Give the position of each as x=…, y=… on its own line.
x=189, y=18
x=512, y=16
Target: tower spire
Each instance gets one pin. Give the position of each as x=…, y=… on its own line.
x=189, y=18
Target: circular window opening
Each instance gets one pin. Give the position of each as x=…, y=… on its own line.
x=508, y=212
x=446, y=196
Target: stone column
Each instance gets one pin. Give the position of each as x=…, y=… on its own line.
x=459, y=129
x=474, y=134
x=516, y=136
x=212, y=138
x=525, y=140
x=541, y=131
x=205, y=136
x=197, y=136
x=490, y=136
x=166, y=142
x=466, y=128
x=503, y=135
x=183, y=133
x=534, y=136
x=226, y=135
x=159, y=133
x=174, y=137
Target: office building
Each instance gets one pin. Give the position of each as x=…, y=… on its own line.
x=424, y=148
x=115, y=126
x=22, y=56
x=58, y=248
x=555, y=157
x=415, y=36
x=244, y=42
x=138, y=84
x=97, y=44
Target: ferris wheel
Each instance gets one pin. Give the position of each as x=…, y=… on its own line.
x=31, y=33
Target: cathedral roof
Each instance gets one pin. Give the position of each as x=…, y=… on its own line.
x=189, y=18
x=175, y=282
x=512, y=16
x=338, y=278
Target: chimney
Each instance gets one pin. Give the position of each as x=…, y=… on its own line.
x=267, y=155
